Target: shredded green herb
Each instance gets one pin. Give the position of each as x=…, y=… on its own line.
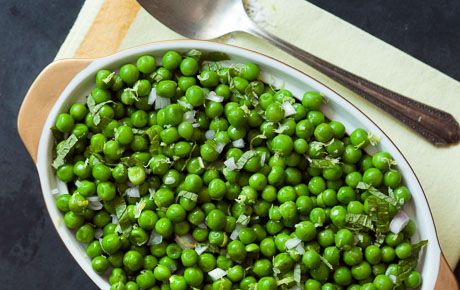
x=64, y=150
x=406, y=266
x=95, y=108
x=325, y=163
x=194, y=53
x=359, y=221
x=188, y=195
x=380, y=214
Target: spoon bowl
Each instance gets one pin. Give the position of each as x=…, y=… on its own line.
x=200, y=19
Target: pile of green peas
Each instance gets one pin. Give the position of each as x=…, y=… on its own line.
x=276, y=190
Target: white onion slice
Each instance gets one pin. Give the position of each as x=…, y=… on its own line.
x=114, y=219
x=236, y=232
x=196, y=125
x=201, y=248
x=220, y=147
x=185, y=104
x=95, y=204
x=230, y=164
x=201, y=162
x=289, y=110
x=133, y=192
x=54, y=191
x=209, y=135
x=138, y=208
x=399, y=221
x=238, y=143
x=170, y=180
x=155, y=238
x=217, y=274
x=186, y=241
x=189, y=116
x=212, y=96
x=152, y=96
x=292, y=243
x=161, y=102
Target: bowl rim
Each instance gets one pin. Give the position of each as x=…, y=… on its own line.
x=182, y=44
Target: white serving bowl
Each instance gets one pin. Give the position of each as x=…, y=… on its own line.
x=337, y=108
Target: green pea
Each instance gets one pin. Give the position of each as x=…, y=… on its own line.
x=171, y=60
x=129, y=73
x=146, y=64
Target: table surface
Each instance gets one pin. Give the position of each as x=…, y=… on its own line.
x=30, y=249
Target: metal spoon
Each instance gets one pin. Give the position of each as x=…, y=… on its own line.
x=210, y=19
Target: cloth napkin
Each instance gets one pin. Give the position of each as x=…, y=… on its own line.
x=106, y=26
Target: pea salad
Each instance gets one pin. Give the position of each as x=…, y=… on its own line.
x=189, y=171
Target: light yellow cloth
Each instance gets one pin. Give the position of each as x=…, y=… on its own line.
x=336, y=41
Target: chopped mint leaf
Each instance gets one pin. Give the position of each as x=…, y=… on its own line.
x=373, y=139
x=64, y=150
x=216, y=56
x=380, y=214
x=382, y=196
x=325, y=163
x=95, y=108
x=195, y=54
x=359, y=221
x=108, y=78
x=188, y=195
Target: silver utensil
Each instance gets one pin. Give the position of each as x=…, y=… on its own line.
x=209, y=19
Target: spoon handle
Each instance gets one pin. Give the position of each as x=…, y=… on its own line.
x=438, y=127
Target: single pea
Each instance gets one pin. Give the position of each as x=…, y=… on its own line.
x=332, y=255
x=177, y=282
x=162, y=273
x=323, y=133
x=274, y=112
x=100, y=264
x=312, y=101
x=193, y=276
x=164, y=227
x=136, y=175
x=359, y=138
x=129, y=73
x=344, y=239
x=388, y=254
x=65, y=173
x=195, y=96
x=208, y=78
x=361, y=271
x=171, y=60
x=176, y=213
x=373, y=176
x=392, y=178
x=166, y=88
x=342, y=276
x=216, y=220
x=383, y=282
x=146, y=64
x=414, y=280
x=65, y=123
x=402, y=194
x=403, y=250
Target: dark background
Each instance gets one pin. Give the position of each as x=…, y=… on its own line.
x=32, y=256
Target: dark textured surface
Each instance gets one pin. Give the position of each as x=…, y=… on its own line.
x=31, y=254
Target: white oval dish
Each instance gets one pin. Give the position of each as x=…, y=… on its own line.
x=337, y=108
